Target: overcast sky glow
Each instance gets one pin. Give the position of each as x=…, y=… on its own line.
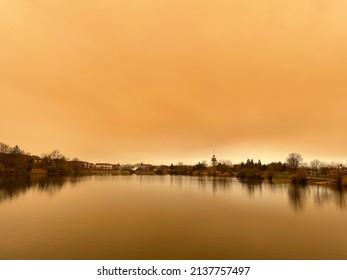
x=164, y=81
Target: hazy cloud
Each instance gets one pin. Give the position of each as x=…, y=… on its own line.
x=144, y=80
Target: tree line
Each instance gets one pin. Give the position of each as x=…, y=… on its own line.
x=13, y=160
x=293, y=169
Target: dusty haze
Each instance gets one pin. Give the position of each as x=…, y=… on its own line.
x=168, y=81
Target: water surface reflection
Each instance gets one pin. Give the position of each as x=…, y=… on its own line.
x=13, y=187
x=168, y=217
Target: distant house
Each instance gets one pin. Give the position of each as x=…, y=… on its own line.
x=339, y=170
x=162, y=169
x=103, y=166
x=36, y=159
x=141, y=167
x=144, y=167
x=36, y=166
x=127, y=167
x=87, y=165
x=137, y=168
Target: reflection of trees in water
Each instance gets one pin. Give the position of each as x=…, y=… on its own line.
x=144, y=179
x=220, y=183
x=76, y=179
x=203, y=182
x=340, y=198
x=252, y=186
x=276, y=187
x=50, y=184
x=325, y=194
x=176, y=180
x=322, y=195
x=297, y=196
x=12, y=187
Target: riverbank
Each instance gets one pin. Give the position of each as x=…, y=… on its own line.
x=311, y=179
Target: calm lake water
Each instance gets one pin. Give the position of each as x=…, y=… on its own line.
x=164, y=217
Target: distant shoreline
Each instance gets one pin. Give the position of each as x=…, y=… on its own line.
x=278, y=178
x=14, y=161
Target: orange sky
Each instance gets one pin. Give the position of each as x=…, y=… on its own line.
x=170, y=80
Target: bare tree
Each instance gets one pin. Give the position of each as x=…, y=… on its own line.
x=226, y=162
x=52, y=157
x=315, y=165
x=16, y=150
x=4, y=148
x=294, y=161
x=56, y=155
x=324, y=168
